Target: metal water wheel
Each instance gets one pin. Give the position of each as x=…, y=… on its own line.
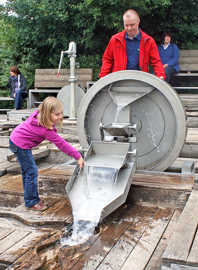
x=154, y=106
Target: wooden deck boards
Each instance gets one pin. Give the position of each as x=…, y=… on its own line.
x=145, y=247
x=122, y=234
x=155, y=261
x=133, y=237
x=183, y=243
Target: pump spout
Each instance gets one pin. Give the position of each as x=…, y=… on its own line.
x=72, y=48
x=71, y=52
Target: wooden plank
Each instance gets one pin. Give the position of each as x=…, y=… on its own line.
x=30, y=257
x=144, y=249
x=188, y=60
x=12, y=239
x=163, y=180
x=123, y=247
x=188, y=96
x=184, y=232
x=4, y=232
x=186, y=73
x=187, y=88
x=155, y=262
x=43, y=91
x=48, y=77
x=121, y=250
x=189, y=150
x=188, y=67
x=62, y=79
x=181, y=267
x=62, y=71
x=193, y=258
x=126, y=244
x=18, y=249
x=177, y=267
x=187, y=53
x=192, y=122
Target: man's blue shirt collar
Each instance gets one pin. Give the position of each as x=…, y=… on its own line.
x=137, y=37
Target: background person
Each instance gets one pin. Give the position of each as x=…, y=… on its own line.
x=17, y=84
x=38, y=127
x=169, y=54
x=131, y=49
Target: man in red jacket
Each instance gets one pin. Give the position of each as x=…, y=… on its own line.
x=131, y=49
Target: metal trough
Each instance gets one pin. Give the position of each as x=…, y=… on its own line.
x=113, y=165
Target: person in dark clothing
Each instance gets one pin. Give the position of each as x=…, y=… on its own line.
x=169, y=54
x=17, y=84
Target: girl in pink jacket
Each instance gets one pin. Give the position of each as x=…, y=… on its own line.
x=38, y=127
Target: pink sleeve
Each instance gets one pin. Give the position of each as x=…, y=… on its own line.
x=63, y=145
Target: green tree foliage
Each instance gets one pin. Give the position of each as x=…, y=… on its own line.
x=42, y=28
x=6, y=50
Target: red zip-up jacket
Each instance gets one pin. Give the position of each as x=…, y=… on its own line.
x=115, y=57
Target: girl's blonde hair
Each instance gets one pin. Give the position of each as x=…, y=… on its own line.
x=48, y=106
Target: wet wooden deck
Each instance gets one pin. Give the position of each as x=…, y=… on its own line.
x=134, y=237
x=156, y=229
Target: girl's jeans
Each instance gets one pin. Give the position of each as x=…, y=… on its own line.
x=29, y=174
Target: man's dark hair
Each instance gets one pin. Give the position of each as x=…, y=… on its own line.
x=166, y=34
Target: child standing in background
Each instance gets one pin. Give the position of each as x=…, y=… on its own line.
x=17, y=84
x=38, y=127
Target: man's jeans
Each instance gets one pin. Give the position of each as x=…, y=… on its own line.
x=29, y=174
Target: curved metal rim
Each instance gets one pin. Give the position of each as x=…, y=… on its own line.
x=152, y=80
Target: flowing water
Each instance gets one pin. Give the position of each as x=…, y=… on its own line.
x=118, y=110
x=88, y=198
